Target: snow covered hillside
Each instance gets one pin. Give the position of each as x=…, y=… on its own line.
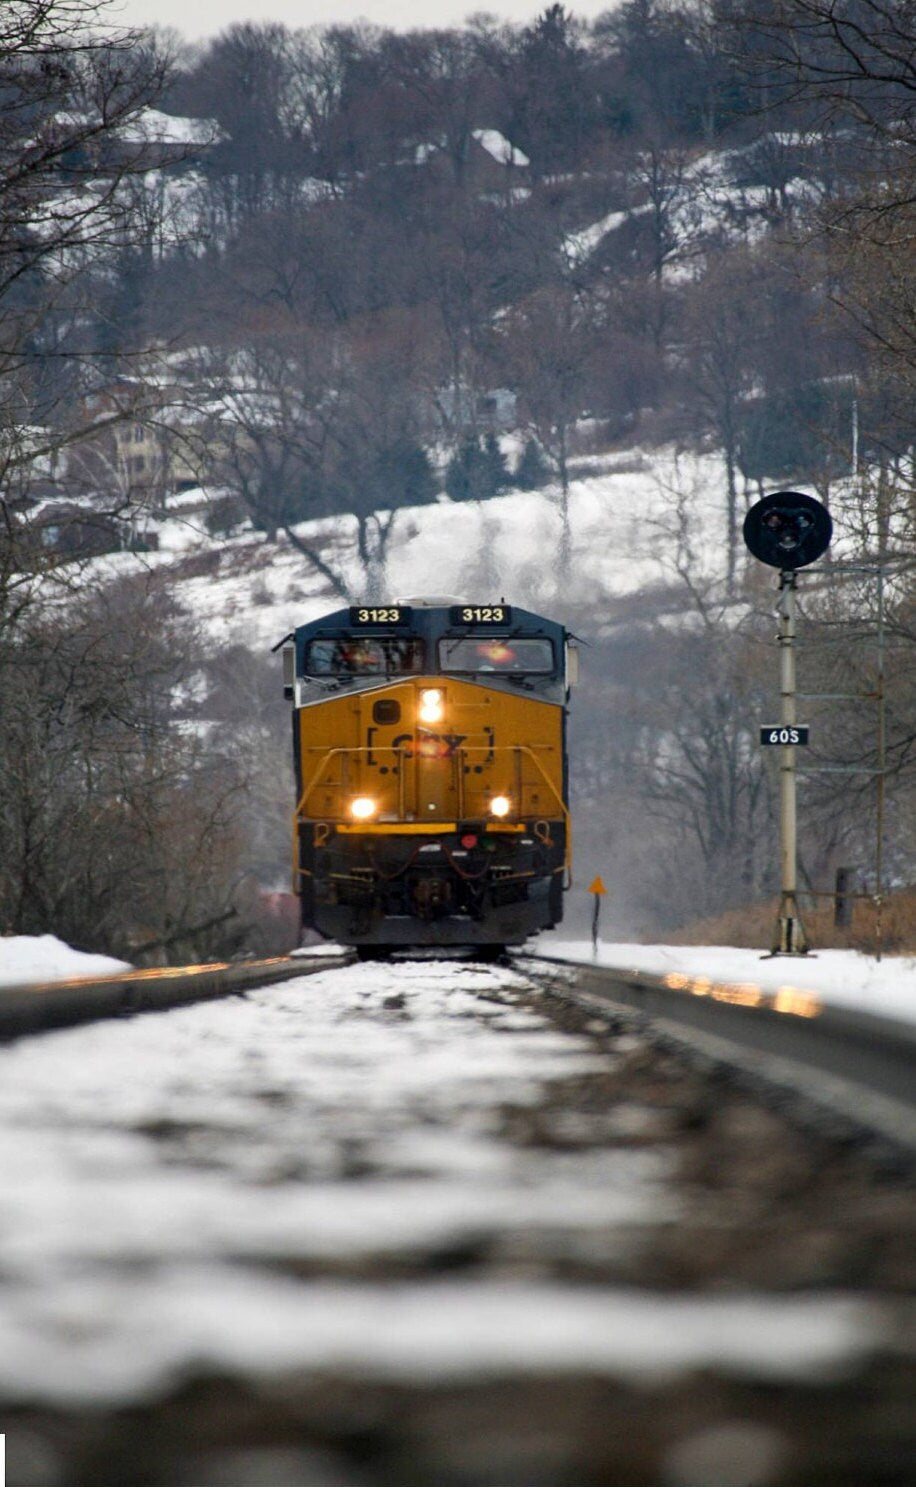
x=627, y=515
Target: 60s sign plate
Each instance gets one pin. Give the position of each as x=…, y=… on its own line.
x=785, y=733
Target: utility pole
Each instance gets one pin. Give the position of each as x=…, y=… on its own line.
x=881, y=781
x=877, y=570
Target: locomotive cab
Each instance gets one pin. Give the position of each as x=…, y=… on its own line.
x=429, y=745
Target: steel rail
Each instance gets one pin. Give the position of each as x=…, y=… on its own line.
x=44, y=1007
x=851, y=1067
x=847, y=1066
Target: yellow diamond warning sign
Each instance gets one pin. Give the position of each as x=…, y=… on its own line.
x=596, y=886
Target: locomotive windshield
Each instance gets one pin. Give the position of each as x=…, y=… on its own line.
x=497, y=653
x=364, y=655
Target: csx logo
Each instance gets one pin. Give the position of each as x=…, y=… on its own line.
x=429, y=745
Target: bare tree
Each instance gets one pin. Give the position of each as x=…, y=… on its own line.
x=668, y=761
x=548, y=345
x=720, y=318
x=268, y=425
x=117, y=825
x=72, y=95
x=316, y=424
x=852, y=64
x=852, y=59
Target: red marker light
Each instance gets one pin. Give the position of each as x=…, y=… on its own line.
x=469, y=840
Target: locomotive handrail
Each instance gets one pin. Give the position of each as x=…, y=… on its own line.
x=299, y=814
x=564, y=809
x=486, y=748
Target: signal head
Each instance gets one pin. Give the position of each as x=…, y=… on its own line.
x=788, y=529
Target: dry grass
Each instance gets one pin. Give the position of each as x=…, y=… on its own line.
x=753, y=926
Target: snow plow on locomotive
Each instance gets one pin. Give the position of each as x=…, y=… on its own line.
x=430, y=757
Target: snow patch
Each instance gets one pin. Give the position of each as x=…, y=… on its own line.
x=133, y=1336
x=31, y=959
x=839, y=978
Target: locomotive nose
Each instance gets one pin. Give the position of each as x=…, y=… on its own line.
x=430, y=774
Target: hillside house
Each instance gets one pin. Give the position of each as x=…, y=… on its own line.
x=69, y=530
x=483, y=159
x=465, y=410
x=155, y=139
x=140, y=443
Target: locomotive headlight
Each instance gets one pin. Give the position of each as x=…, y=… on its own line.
x=500, y=806
x=432, y=705
x=363, y=808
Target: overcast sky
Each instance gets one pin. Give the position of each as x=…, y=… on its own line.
x=202, y=18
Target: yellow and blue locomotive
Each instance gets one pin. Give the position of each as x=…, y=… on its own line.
x=430, y=760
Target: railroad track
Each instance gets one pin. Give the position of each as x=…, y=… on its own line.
x=842, y=1067
x=845, y=1069
x=43, y=1007
x=436, y=1222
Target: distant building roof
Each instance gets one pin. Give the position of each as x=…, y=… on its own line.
x=500, y=148
x=491, y=141
x=151, y=126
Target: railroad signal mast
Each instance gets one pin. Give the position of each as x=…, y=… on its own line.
x=787, y=530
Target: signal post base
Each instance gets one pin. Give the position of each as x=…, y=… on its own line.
x=789, y=936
